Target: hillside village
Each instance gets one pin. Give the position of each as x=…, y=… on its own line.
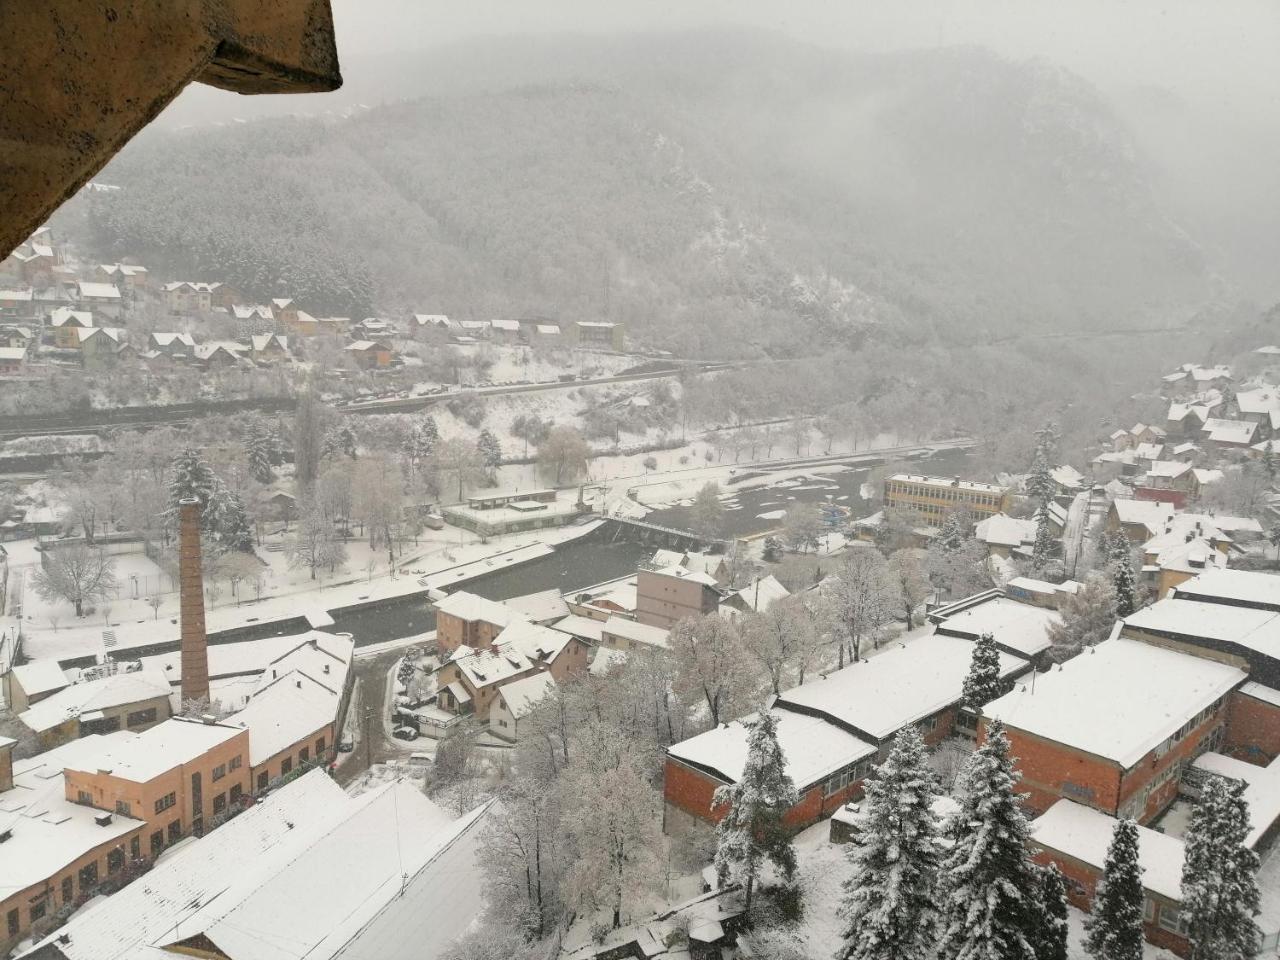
x=194, y=744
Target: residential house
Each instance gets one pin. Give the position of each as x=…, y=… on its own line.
x=758, y=595
x=226, y=353
x=188, y=297
x=29, y=683
x=506, y=331
x=1186, y=418
x=99, y=346
x=18, y=304
x=173, y=344
x=130, y=275
x=515, y=701
x=254, y=319
x=12, y=360
x=425, y=323
x=14, y=335
x=464, y=619
x=470, y=679
x=664, y=597
x=104, y=297
x=1220, y=434
x=625, y=634
x=370, y=354
x=67, y=324
x=375, y=328
x=285, y=310
x=1139, y=520
x=597, y=335
x=269, y=347
x=1020, y=629
x=1006, y=536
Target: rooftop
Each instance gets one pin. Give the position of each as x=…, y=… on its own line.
x=288, y=710
x=1084, y=834
x=469, y=607
x=899, y=686
x=949, y=482
x=1016, y=626
x=1242, y=587
x=637, y=632
x=1247, y=627
x=538, y=607
x=812, y=748
x=156, y=751
x=522, y=695
x=118, y=690
x=1003, y=530
x=40, y=676
x=1118, y=700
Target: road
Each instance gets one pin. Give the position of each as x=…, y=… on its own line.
x=368, y=706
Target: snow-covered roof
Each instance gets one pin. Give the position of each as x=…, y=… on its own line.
x=291, y=709
x=1003, y=530
x=681, y=573
x=1262, y=789
x=164, y=339
x=98, y=291
x=62, y=316
x=47, y=832
x=1018, y=626
x=1118, y=700
x=762, y=593
x=666, y=558
x=104, y=693
x=896, y=687
x=1270, y=350
x=469, y=607
x=12, y=353
x=1084, y=834
x=636, y=632
x=547, y=329
x=1205, y=476
x=507, y=326
x=1246, y=588
x=40, y=676
x=160, y=749
x=1261, y=692
x=1167, y=469
x=16, y=295
x=812, y=748
x=435, y=319
x=1032, y=585
x=950, y=482
x=1187, y=556
x=1151, y=513
x=1229, y=431
x=1067, y=476
x=578, y=626
x=539, y=607
x=604, y=660
x=521, y=695
x=297, y=874
x=1251, y=628
x=1262, y=400
x=534, y=641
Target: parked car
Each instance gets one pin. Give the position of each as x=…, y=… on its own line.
x=405, y=733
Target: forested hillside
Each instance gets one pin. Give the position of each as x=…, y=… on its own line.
x=721, y=193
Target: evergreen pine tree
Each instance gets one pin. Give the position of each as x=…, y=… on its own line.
x=752, y=829
x=982, y=685
x=1219, y=876
x=490, y=451
x=1122, y=580
x=1114, y=930
x=1043, y=548
x=430, y=433
x=1040, y=485
x=257, y=445
x=889, y=904
x=990, y=897
x=953, y=533
x=189, y=478
x=347, y=440
x=1051, y=940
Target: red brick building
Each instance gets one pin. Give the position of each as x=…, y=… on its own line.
x=1114, y=727
x=463, y=619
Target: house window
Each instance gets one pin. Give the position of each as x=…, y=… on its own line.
x=165, y=802
x=219, y=772
x=236, y=762
x=88, y=877
x=13, y=922
x=320, y=747
x=286, y=765
x=123, y=808
x=236, y=792
x=263, y=780
x=157, y=843
x=304, y=755
x=175, y=831
x=1171, y=920
x=138, y=717
x=115, y=859
x=219, y=803
x=38, y=910
x=83, y=796
x=135, y=848
x=68, y=890
x=1148, y=910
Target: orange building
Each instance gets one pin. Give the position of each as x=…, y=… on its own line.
x=177, y=777
x=464, y=619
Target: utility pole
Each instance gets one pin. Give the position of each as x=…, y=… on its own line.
x=368, y=743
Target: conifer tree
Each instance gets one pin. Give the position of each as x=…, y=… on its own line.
x=953, y=532
x=1040, y=485
x=1043, y=548
x=490, y=451
x=1219, y=876
x=752, y=829
x=257, y=445
x=990, y=896
x=889, y=903
x=983, y=685
x=430, y=433
x=1050, y=940
x=1114, y=929
x=1122, y=580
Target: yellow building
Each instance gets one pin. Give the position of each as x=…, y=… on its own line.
x=935, y=497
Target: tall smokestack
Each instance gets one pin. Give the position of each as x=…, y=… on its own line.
x=195, y=652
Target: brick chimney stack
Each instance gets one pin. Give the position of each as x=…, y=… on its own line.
x=195, y=652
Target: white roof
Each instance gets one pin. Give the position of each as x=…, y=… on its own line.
x=469, y=607
x=509, y=326
x=160, y=749
x=521, y=695
x=541, y=606
x=1067, y=476
x=1118, y=700
x=1032, y=585
x=1262, y=789
x=1018, y=626
x=1084, y=834
x=681, y=573
x=812, y=748
x=1230, y=431
x=1261, y=692
x=636, y=632
x=583, y=627
x=534, y=641
x=1245, y=587
x=164, y=339
x=49, y=832
x=290, y=709
x=547, y=329
x=896, y=687
x=40, y=676
x=12, y=353
x=104, y=693
x=1262, y=400
x=101, y=291
x=1204, y=476
x=1251, y=628
x=1171, y=469
x=949, y=482
x=439, y=319
x=24, y=294
x=762, y=594
x=61, y=316
x=1003, y=530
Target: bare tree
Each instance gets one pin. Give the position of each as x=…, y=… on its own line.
x=313, y=544
x=456, y=458
x=711, y=663
x=784, y=639
x=862, y=597
x=908, y=569
x=802, y=526
x=563, y=454
x=77, y=574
